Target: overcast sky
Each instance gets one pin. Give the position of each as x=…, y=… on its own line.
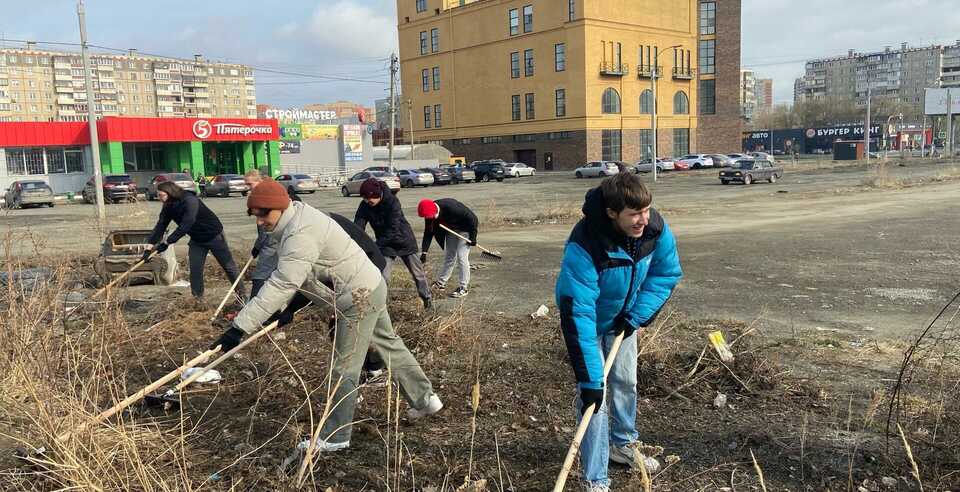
x=353, y=38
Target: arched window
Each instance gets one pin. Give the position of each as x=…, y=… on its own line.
x=681, y=104
x=646, y=102
x=611, y=101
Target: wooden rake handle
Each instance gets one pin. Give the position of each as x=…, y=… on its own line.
x=130, y=400
x=122, y=276
x=481, y=248
x=187, y=382
x=585, y=420
x=232, y=289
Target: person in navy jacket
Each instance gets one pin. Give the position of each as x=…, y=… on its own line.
x=620, y=265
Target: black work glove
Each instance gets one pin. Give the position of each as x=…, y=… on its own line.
x=423, y=258
x=623, y=326
x=590, y=397
x=229, y=340
x=283, y=318
x=472, y=242
x=161, y=247
x=255, y=252
x=146, y=255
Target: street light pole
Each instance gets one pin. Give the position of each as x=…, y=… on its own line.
x=653, y=83
x=91, y=116
x=410, y=117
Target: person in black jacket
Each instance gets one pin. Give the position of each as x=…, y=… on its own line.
x=458, y=218
x=263, y=249
x=193, y=219
x=382, y=210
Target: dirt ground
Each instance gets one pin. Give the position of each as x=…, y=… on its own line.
x=826, y=273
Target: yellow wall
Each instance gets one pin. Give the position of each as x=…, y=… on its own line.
x=475, y=64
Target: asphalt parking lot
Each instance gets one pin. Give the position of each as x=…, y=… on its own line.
x=818, y=250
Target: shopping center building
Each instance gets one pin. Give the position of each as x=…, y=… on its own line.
x=59, y=152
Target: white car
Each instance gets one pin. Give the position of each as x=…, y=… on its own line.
x=597, y=169
x=298, y=183
x=763, y=155
x=646, y=166
x=517, y=169
x=697, y=161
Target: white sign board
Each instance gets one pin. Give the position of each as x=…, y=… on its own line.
x=935, y=102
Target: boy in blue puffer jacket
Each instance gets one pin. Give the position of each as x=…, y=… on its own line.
x=620, y=266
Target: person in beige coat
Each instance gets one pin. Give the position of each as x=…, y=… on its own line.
x=317, y=258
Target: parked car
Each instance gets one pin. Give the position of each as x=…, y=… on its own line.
x=763, y=155
x=738, y=156
x=517, y=169
x=182, y=180
x=646, y=166
x=223, y=185
x=415, y=177
x=697, y=161
x=298, y=183
x=23, y=193
x=352, y=186
x=383, y=169
x=440, y=176
x=597, y=169
x=489, y=169
x=748, y=171
x=460, y=174
x=116, y=188
x=720, y=160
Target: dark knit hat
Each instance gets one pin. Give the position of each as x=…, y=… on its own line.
x=268, y=195
x=371, y=188
x=428, y=209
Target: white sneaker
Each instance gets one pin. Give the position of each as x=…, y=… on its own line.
x=631, y=456
x=595, y=487
x=434, y=405
x=323, y=446
x=460, y=292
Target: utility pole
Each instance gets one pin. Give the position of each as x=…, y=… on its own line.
x=866, y=131
x=393, y=105
x=949, y=124
x=91, y=116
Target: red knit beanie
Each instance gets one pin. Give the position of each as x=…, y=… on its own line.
x=268, y=195
x=428, y=209
x=371, y=188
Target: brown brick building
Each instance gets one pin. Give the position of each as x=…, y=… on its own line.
x=720, y=116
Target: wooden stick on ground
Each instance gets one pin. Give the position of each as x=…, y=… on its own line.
x=227, y=355
x=130, y=400
x=585, y=420
x=121, y=277
x=232, y=289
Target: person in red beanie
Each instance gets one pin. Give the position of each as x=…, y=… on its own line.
x=458, y=218
x=317, y=258
x=382, y=210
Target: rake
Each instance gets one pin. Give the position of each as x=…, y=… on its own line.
x=585, y=420
x=493, y=255
x=233, y=289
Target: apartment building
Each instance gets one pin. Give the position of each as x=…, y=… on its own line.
x=554, y=83
x=42, y=85
x=896, y=74
x=764, y=95
x=720, y=122
x=950, y=66
x=748, y=93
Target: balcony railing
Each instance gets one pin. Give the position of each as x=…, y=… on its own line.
x=616, y=69
x=683, y=73
x=646, y=71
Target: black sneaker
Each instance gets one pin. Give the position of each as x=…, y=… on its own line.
x=427, y=304
x=460, y=292
x=438, y=285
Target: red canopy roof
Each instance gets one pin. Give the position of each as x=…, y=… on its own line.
x=123, y=129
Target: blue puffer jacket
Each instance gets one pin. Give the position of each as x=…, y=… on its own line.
x=601, y=284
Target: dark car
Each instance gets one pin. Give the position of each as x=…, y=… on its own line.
x=116, y=188
x=223, y=185
x=487, y=170
x=748, y=171
x=440, y=177
x=23, y=193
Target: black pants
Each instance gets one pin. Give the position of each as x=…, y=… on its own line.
x=198, y=257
